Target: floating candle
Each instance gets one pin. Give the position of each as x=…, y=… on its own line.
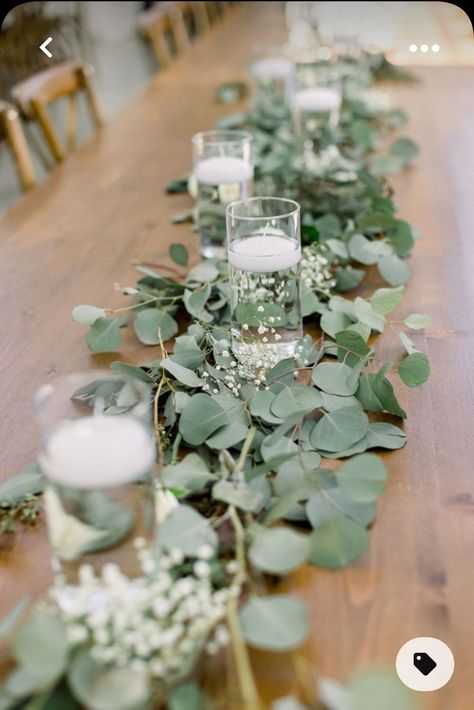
x=266, y=253
x=317, y=99
x=98, y=452
x=223, y=169
x=272, y=68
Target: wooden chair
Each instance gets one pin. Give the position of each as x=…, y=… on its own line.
x=165, y=28
x=67, y=80
x=12, y=132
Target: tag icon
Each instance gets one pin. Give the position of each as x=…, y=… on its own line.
x=424, y=663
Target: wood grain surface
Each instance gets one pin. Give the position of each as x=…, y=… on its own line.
x=70, y=239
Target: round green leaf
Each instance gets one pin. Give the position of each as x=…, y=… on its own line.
x=337, y=542
x=332, y=322
x=279, y=550
x=340, y=429
x=385, y=300
x=150, y=322
x=186, y=529
x=101, y=688
x=276, y=623
x=362, y=478
x=201, y=417
x=335, y=378
x=87, y=315
x=41, y=647
x=295, y=400
x=394, y=270
x=104, y=335
x=414, y=369
x=385, y=436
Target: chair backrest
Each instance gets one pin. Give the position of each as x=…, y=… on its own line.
x=67, y=80
x=12, y=132
x=161, y=24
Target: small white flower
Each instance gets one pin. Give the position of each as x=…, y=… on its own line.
x=205, y=374
x=205, y=551
x=176, y=555
x=232, y=567
x=245, y=326
x=201, y=569
x=260, y=309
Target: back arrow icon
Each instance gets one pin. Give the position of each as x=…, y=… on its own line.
x=44, y=45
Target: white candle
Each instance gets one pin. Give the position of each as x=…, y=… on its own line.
x=266, y=253
x=98, y=452
x=317, y=99
x=272, y=68
x=223, y=169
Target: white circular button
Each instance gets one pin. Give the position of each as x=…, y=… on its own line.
x=425, y=664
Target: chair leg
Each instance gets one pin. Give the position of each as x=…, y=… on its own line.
x=19, y=149
x=48, y=130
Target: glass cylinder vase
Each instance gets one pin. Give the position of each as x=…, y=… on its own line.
x=223, y=172
x=264, y=254
x=97, y=454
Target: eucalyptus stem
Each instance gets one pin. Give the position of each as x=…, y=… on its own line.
x=248, y=688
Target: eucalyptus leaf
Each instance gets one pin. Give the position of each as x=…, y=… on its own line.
x=416, y=321
x=182, y=374
x=338, y=430
x=150, y=323
x=335, y=378
x=295, y=400
x=275, y=623
x=191, y=473
x=201, y=417
x=187, y=696
x=362, y=478
x=179, y=254
x=366, y=314
x=386, y=300
x=101, y=687
x=328, y=502
x=195, y=301
x=186, y=529
x=385, y=436
x=393, y=270
x=414, y=369
x=278, y=550
x=104, y=335
x=41, y=647
x=87, y=315
x=407, y=343
x=237, y=494
x=338, y=542
x=27, y=482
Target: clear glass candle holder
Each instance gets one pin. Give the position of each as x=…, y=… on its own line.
x=273, y=71
x=264, y=254
x=317, y=100
x=98, y=456
x=223, y=172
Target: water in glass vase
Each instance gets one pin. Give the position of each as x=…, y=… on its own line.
x=220, y=180
x=100, y=493
x=266, y=313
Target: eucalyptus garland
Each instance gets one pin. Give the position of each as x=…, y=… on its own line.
x=264, y=467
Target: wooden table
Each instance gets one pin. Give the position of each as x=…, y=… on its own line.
x=70, y=239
